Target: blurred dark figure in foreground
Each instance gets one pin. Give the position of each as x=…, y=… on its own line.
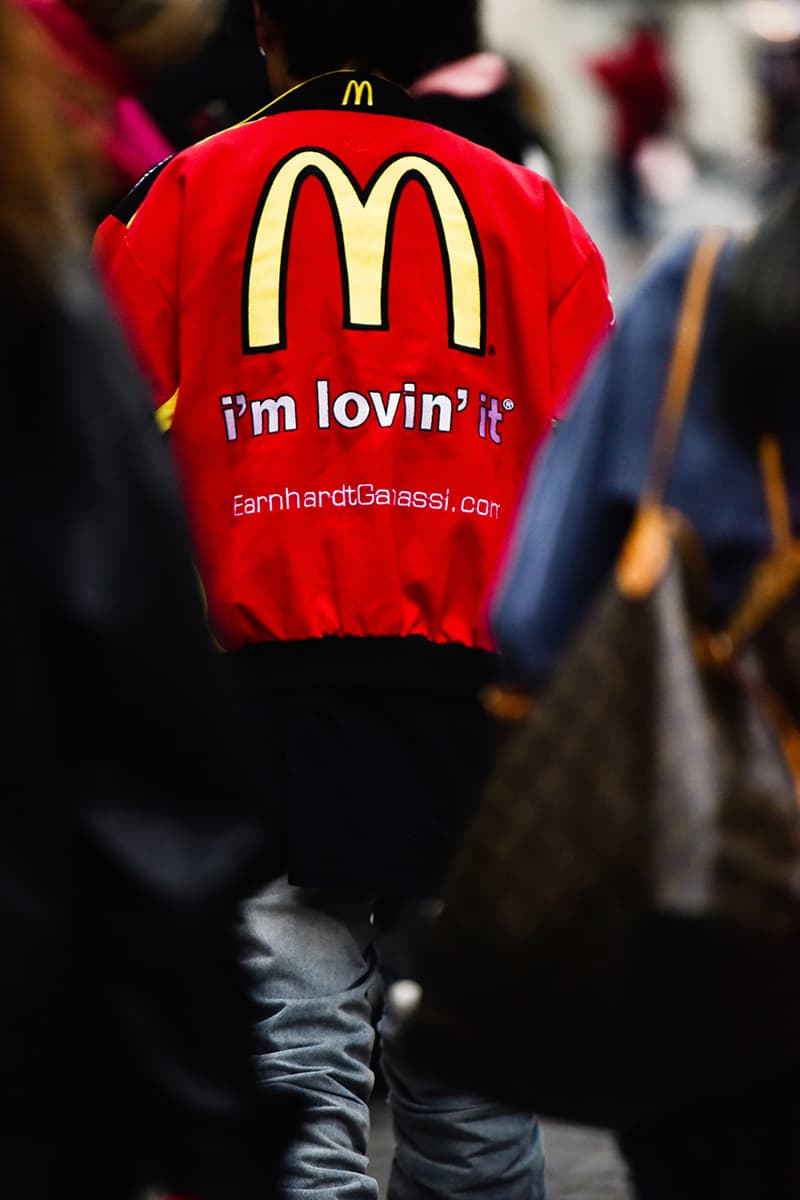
x=638, y=80
x=112, y=49
x=571, y=528
x=129, y=834
x=779, y=78
x=220, y=85
x=476, y=94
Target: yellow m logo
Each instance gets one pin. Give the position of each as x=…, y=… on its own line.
x=364, y=219
x=358, y=90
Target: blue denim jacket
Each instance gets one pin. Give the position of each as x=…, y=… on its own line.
x=583, y=489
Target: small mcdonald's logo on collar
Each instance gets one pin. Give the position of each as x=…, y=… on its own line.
x=357, y=89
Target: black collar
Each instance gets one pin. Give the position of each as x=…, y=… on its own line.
x=349, y=91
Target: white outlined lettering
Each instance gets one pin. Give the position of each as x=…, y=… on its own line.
x=414, y=406
x=365, y=495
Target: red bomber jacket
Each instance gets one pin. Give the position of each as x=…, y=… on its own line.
x=358, y=328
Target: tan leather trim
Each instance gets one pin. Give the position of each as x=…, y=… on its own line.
x=775, y=487
x=645, y=554
x=507, y=703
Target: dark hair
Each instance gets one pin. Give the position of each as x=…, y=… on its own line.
x=401, y=39
x=762, y=320
x=238, y=20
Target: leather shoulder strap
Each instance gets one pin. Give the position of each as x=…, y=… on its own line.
x=686, y=345
x=777, y=577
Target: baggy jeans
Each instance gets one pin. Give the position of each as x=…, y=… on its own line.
x=314, y=972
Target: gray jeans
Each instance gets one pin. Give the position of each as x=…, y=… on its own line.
x=313, y=964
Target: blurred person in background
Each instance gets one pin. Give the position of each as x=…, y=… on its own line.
x=779, y=79
x=571, y=527
x=130, y=833
x=222, y=83
x=638, y=79
x=541, y=153
x=358, y=327
x=112, y=48
x=476, y=93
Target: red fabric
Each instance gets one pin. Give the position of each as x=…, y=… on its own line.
x=638, y=79
x=128, y=137
x=389, y=525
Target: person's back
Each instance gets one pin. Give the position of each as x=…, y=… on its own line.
x=327, y=384
x=583, y=497
x=358, y=327
x=573, y=524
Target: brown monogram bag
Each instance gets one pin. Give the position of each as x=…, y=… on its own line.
x=621, y=925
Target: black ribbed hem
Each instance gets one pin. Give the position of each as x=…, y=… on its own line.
x=393, y=662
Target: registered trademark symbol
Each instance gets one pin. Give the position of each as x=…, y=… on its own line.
x=508, y=405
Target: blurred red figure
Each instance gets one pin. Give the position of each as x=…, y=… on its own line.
x=110, y=49
x=638, y=79
x=128, y=139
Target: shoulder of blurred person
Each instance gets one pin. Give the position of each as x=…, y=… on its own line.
x=582, y=494
x=476, y=93
x=126, y=845
x=220, y=84
x=476, y=97
x=132, y=830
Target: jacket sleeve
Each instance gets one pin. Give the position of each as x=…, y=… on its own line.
x=137, y=253
x=581, y=321
x=120, y=696
x=581, y=311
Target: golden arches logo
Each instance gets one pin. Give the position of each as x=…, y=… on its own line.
x=358, y=89
x=364, y=221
